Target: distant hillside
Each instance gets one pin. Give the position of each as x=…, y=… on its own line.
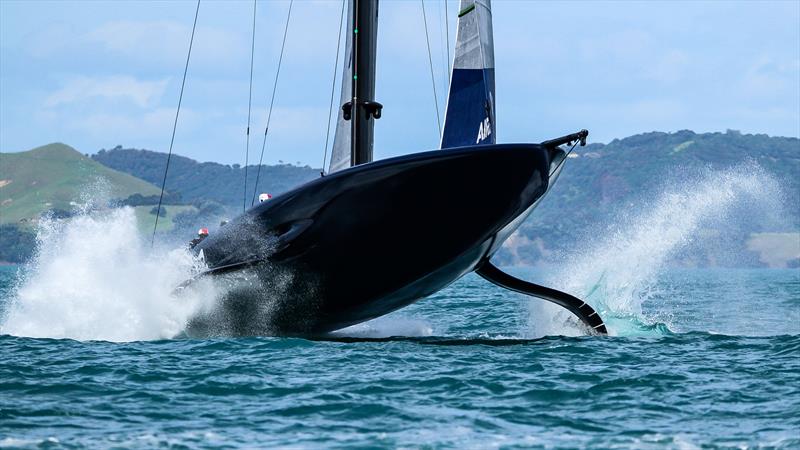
x=52, y=176
x=603, y=175
x=599, y=184
x=205, y=181
x=601, y=180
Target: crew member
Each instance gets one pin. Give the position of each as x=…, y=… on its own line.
x=202, y=233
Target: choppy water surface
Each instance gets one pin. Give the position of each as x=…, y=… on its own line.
x=466, y=374
x=93, y=351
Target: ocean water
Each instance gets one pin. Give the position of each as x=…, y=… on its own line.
x=461, y=369
x=93, y=351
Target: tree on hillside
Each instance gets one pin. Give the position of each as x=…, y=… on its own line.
x=16, y=245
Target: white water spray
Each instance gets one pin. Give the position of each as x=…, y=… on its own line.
x=384, y=327
x=95, y=278
x=619, y=271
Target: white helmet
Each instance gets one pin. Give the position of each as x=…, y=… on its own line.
x=264, y=197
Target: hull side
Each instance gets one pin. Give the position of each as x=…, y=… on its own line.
x=371, y=239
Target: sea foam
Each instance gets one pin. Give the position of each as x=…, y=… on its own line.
x=618, y=269
x=94, y=277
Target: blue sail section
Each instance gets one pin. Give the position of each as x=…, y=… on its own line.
x=470, y=109
x=470, y=115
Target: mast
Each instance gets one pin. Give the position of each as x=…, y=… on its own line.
x=362, y=107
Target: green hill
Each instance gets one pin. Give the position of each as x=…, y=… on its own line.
x=206, y=181
x=601, y=181
x=50, y=177
x=601, y=176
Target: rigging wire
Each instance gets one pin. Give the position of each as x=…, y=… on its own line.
x=249, y=109
x=563, y=160
x=447, y=40
x=430, y=62
x=442, y=49
x=333, y=89
x=272, y=101
x=175, y=124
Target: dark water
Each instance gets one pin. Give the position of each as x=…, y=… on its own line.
x=710, y=359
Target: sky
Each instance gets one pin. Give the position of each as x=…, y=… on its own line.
x=98, y=74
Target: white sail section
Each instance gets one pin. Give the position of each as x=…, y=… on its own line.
x=341, y=157
x=475, y=39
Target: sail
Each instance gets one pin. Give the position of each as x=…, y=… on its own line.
x=469, y=117
x=341, y=153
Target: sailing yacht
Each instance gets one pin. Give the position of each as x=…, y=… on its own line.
x=371, y=237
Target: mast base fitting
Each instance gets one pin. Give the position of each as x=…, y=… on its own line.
x=371, y=109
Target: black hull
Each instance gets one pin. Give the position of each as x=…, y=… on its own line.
x=366, y=241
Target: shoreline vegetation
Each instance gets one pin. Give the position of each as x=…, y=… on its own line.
x=599, y=182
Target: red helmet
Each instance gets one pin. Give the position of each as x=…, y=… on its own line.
x=202, y=231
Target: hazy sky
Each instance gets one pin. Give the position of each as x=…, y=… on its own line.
x=97, y=74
